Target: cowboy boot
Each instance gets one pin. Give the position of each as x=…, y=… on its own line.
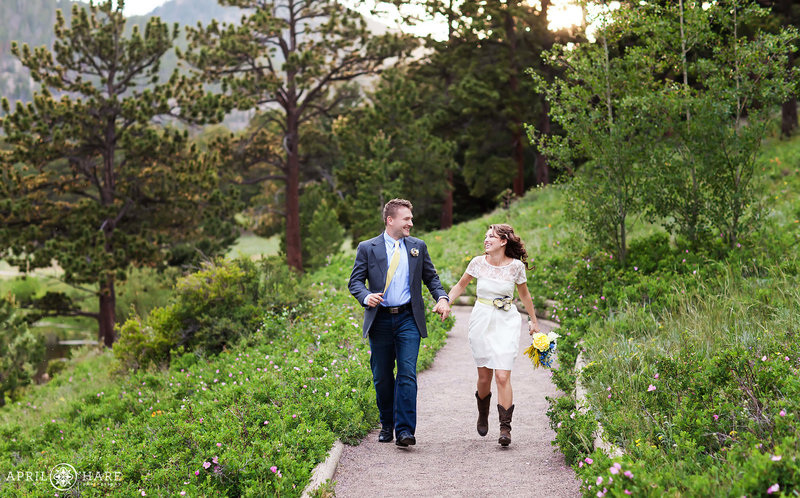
x=483, y=413
x=505, y=424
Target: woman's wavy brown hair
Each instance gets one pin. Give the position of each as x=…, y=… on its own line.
x=514, y=246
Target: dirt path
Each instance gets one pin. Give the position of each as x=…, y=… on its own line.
x=450, y=458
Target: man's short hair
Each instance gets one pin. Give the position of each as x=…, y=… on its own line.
x=391, y=207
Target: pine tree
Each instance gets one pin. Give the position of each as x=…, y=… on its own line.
x=88, y=181
x=287, y=58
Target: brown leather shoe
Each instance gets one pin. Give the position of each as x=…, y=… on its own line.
x=505, y=424
x=483, y=413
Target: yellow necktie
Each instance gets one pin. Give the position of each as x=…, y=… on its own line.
x=393, y=265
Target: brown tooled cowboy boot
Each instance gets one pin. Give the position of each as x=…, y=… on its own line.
x=483, y=413
x=505, y=424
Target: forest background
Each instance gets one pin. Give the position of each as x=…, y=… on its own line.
x=136, y=152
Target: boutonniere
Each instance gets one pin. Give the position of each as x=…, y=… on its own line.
x=414, y=252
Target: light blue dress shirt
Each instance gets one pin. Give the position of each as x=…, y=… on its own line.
x=399, y=291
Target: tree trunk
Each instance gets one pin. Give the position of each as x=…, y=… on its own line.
x=788, y=117
x=294, y=255
x=107, y=318
x=542, y=165
x=513, y=80
x=447, y=207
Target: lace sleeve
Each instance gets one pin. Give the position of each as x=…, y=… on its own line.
x=474, y=266
x=521, y=277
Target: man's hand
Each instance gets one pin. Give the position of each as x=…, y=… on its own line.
x=374, y=299
x=443, y=308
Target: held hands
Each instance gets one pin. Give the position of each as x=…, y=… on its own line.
x=533, y=327
x=443, y=308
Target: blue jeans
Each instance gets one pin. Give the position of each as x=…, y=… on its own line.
x=395, y=338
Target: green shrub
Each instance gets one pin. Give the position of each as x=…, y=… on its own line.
x=211, y=309
x=210, y=425
x=20, y=350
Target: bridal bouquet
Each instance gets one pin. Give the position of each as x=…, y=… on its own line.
x=543, y=349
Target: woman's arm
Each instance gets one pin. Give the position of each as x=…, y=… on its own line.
x=525, y=296
x=458, y=289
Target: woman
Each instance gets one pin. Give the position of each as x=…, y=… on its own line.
x=494, y=325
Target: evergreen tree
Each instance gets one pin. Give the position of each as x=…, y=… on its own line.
x=389, y=150
x=287, y=58
x=88, y=181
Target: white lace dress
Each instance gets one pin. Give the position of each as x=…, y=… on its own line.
x=494, y=333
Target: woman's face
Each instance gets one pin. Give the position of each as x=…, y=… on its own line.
x=492, y=242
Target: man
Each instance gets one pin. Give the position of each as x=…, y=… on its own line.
x=395, y=265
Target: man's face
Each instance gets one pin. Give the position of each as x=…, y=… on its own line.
x=399, y=225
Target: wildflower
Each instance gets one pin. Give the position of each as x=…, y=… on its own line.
x=716, y=417
x=183, y=493
x=599, y=480
x=614, y=470
x=219, y=444
x=206, y=465
x=628, y=474
x=197, y=472
x=655, y=376
x=776, y=458
x=588, y=460
x=773, y=489
x=274, y=469
x=627, y=492
x=651, y=387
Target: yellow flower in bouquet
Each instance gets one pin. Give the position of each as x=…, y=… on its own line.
x=542, y=349
x=541, y=341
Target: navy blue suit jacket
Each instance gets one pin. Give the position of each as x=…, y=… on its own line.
x=371, y=265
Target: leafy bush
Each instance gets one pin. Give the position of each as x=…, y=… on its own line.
x=251, y=421
x=211, y=309
x=20, y=350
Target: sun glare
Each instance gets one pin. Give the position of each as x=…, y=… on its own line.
x=563, y=14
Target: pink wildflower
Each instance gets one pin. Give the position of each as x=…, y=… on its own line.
x=651, y=387
x=773, y=489
x=782, y=413
x=628, y=474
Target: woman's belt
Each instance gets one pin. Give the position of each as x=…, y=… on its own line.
x=501, y=303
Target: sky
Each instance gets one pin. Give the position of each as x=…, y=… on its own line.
x=563, y=13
